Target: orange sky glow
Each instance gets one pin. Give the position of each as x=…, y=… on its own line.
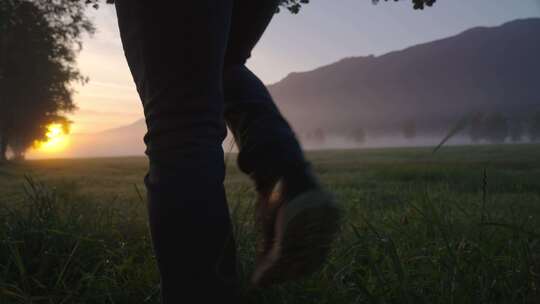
x=322, y=33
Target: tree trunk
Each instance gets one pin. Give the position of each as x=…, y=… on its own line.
x=18, y=155
x=3, y=149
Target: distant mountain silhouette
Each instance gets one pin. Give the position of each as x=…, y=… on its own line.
x=125, y=140
x=483, y=69
x=122, y=141
x=432, y=86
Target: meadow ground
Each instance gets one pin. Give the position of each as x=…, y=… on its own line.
x=457, y=226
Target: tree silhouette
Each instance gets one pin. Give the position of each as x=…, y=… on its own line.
x=496, y=128
x=294, y=6
x=409, y=129
x=534, y=129
x=359, y=135
x=516, y=131
x=476, y=128
x=38, y=50
x=319, y=135
x=37, y=53
x=417, y=4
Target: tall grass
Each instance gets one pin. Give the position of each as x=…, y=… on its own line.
x=422, y=244
x=57, y=247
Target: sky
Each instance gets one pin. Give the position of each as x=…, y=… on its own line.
x=325, y=31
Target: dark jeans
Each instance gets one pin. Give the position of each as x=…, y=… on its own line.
x=187, y=60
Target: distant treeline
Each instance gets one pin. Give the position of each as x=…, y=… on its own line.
x=494, y=127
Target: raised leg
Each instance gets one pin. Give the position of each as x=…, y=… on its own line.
x=265, y=139
x=298, y=225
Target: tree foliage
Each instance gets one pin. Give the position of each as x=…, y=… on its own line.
x=476, y=127
x=516, y=131
x=358, y=135
x=39, y=44
x=496, y=128
x=294, y=6
x=409, y=129
x=417, y=4
x=534, y=129
x=318, y=135
x=492, y=127
x=39, y=41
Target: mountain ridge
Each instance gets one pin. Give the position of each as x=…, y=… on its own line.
x=372, y=56
x=431, y=85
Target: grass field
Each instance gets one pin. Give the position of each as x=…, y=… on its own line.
x=458, y=226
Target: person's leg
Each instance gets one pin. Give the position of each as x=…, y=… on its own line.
x=175, y=51
x=265, y=140
x=299, y=224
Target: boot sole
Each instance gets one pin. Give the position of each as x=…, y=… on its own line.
x=304, y=232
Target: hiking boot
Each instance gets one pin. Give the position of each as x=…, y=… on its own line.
x=297, y=222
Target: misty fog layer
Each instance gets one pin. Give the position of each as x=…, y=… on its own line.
x=482, y=83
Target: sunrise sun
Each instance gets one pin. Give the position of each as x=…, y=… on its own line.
x=56, y=140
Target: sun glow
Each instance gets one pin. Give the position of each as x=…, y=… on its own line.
x=57, y=139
